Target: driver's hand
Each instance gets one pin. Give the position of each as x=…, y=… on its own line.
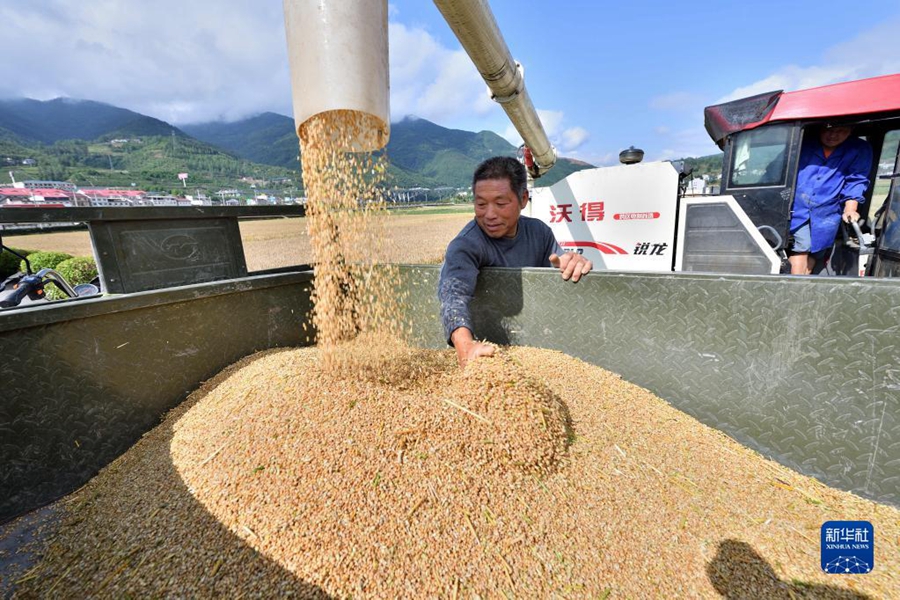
x=850, y=215
x=572, y=265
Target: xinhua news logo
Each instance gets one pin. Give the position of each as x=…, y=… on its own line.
x=848, y=547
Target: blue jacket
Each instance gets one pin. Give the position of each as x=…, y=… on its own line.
x=823, y=185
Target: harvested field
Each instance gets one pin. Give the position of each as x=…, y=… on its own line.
x=532, y=475
x=419, y=238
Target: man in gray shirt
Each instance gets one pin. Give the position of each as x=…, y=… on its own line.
x=498, y=237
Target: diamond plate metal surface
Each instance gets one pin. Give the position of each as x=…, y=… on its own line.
x=81, y=383
x=804, y=370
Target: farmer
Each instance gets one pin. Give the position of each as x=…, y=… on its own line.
x=498, y=237
x=832, y=178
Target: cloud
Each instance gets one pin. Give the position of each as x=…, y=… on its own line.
x=682, y=143
x=206, y=59
x=676, y=101
x=866, y=55
x=573, y=138
x=179, y=61
x=598, y=159
x=432, y=81
x=565, y=140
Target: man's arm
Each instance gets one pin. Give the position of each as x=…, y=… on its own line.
x=455, y=290
x=856, y=182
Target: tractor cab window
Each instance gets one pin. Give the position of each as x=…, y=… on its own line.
x=759, y=157
x=886, y=167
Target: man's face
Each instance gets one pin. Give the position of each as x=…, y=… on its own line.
x=833, y=137
x=497, y=208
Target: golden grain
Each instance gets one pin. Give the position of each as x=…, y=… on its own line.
x=624, y=496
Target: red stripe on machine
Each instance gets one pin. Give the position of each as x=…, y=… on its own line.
x=603, y=247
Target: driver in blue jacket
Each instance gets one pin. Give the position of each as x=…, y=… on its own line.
x=832, y=179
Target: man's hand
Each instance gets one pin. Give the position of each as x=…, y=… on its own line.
x=850, y=214
x=572, y=265
x=467, y=348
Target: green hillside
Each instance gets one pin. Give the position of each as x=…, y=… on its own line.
x=268, y=138
x=150, y=163
x=66, y=119
x=705, y=165
x=95, y=144
x=421, y=153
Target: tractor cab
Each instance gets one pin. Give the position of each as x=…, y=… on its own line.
x=762, y=136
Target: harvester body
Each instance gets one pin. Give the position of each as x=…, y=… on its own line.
x=636, y=218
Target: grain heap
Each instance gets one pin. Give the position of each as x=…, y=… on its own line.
x=277, y=478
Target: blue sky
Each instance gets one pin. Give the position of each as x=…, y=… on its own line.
x=603, y=75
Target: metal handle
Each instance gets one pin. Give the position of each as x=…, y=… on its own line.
x=58, y=280
x=891, y=176
x=859, y=234
x=779, y=240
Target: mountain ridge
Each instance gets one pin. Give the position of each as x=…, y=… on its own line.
x=76, y=136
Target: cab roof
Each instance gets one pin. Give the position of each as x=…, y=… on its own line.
x=862, y=97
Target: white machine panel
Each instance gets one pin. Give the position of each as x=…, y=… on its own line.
x=622, y=218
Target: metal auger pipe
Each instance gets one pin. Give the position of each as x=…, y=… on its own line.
x=473, y=23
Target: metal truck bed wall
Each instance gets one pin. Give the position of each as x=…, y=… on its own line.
x=806, y=371
x=83, y=380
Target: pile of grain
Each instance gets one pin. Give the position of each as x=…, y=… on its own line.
x=412, y=481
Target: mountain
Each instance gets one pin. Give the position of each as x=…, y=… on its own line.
x=268, y=138
x=66, y=119
x=93, y=142
x=421, y=153
x=705, y=165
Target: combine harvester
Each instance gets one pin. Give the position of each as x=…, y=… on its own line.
x=690, y=304
x=636, y=218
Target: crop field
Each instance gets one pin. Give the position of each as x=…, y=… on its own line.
x=416, y=237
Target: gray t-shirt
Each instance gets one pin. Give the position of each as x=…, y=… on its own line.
x=472, y=249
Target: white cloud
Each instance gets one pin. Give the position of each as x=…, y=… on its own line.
x=551, y=120
x=179, y=61
x=605, y=159
x=866, y=55
x=683, y=143
x=573, y=138
x=206, y=59
x=565, y=140
x=432, y=81
x=676, y=101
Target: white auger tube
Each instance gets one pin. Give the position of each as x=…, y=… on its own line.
x=338, y=56
x=476, y=29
